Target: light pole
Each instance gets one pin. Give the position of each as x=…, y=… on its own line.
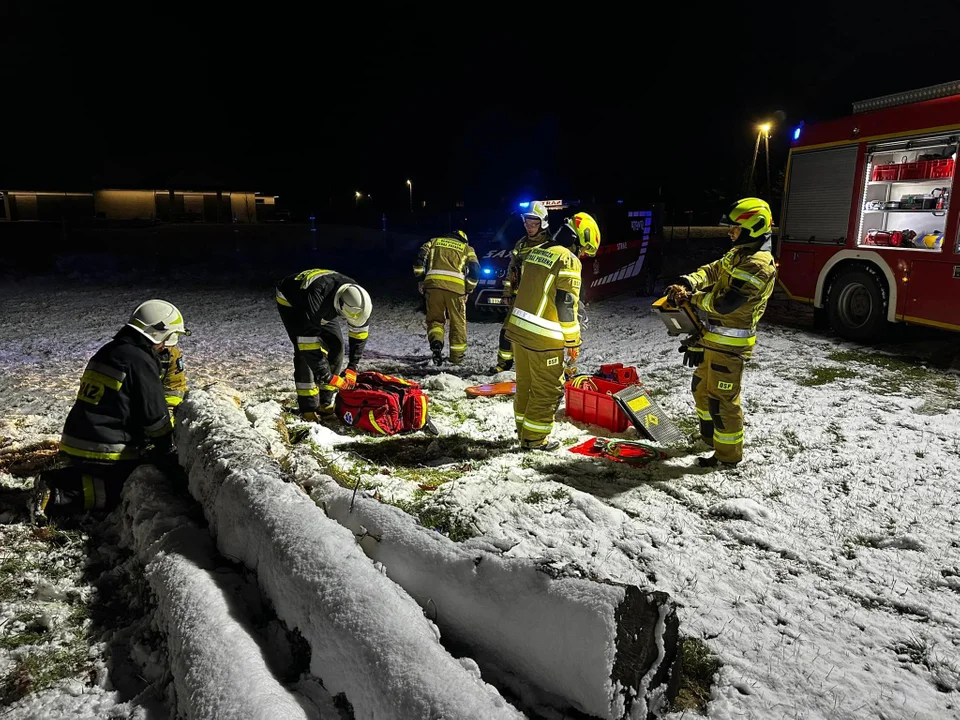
x=410, y=186
x=357, y=196
x=764, y=131
x=766, y=152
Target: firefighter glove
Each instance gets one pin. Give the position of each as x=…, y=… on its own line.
x=676, y=294
x=692, y=356
x=420, y=287
x=350, y=378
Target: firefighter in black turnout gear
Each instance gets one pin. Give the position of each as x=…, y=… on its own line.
x=310, y=303
x=119, y=419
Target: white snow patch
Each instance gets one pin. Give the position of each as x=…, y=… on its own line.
x=741, y=508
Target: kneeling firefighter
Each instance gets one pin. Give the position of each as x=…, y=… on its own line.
x=543, y=324
x=730, y=296
x=448, y=271
x=309, y=303
x=120, y=418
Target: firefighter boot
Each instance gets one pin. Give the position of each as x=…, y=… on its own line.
x=436, y=347
x=713, y=462
x=546, y=445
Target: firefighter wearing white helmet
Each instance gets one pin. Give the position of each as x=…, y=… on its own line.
x=119, y=419
x=730, y=296
x=160, y=320
x=536, y=223
x=543, y=327
x=310, y=303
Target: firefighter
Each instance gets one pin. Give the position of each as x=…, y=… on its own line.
x=448, y=271
x=119, y=419
x=730, y=296
x=543, y=325
x=536, y=223
x=310, y=302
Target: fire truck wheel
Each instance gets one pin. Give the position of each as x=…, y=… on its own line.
x=857, y=305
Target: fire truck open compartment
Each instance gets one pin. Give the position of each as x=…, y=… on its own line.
x=906, y=193
x=869, y=232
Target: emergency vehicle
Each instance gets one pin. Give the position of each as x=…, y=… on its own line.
x=868, y=227
x=628, y=258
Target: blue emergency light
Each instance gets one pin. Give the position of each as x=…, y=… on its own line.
x=796, y=132
x=487, y=271
x=525, y=205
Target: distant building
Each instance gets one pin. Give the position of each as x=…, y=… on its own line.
x=173, y=206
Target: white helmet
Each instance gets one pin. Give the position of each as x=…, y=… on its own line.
x=535, y=211
x=353, y=304
x=159, y=321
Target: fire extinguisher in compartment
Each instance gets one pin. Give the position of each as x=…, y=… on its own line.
x=941, y=199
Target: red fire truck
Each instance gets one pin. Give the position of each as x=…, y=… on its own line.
x=868, y=226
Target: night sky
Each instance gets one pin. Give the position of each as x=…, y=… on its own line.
x=313, y=106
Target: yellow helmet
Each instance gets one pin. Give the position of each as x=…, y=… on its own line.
x=535, y=211
x=588, y=233
x=752, y=214
x=460, y=234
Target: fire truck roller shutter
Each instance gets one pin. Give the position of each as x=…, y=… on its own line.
x=819, y=194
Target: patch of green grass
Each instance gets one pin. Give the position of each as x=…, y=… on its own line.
x=823, y=375
x=536, y=496
x=698, y=668
x=38, y=670
x=439, y=518
x=900, y=374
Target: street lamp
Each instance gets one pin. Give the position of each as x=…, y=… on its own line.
x=358, y=195
x=762, y=130
x=410, y=185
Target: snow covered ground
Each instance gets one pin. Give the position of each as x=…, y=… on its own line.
x=823, y=574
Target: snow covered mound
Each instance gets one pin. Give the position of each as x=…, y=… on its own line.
x=219, y=669
x=368, y=639
x=607, y=649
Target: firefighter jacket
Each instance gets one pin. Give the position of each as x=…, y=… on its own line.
x=731, y=294
x=446, y=263
x=520, y=251
x=173, y=376
x=120, y=406
x=544, y=314
x=311, y=294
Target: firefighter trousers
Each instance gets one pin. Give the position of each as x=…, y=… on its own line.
x=80, y=486
x=317, y=357
x=443, y=305
x=505, y=349
x=716, y=392
x=539, y=390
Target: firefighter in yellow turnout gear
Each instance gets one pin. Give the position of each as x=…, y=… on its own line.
x=543, y=325
x=730, y=296
x=536, y=224
x=448, y=270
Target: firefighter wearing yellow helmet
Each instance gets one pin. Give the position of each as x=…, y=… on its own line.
x=448, y=271
x=543, y=326
x=730, y=296
x=537, y=224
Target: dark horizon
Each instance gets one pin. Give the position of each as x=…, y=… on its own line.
x=313, y=116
